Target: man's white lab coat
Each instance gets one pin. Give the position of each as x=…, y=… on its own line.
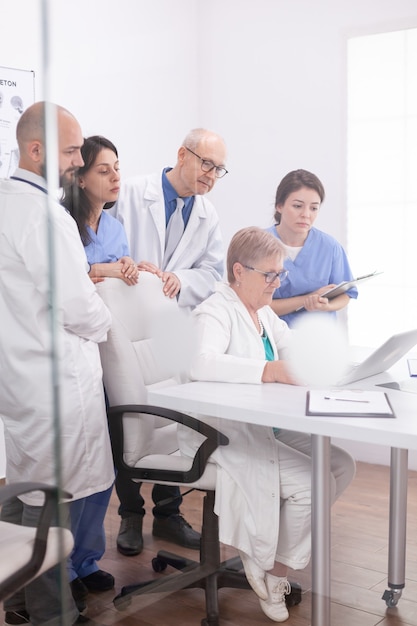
x=27, y=376
x=198, y=258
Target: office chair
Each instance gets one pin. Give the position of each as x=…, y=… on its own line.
x=25, y=552
x=144, y=440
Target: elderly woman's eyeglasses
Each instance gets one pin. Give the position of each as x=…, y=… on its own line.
x=270, y=277
x=208, y=166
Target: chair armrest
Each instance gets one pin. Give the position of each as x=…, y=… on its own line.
x=17, y=489
x=214, y=438
x=52, y=495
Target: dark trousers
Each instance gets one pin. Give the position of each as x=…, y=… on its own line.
x=131, y=501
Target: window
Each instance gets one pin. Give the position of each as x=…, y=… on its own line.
x=382, y=182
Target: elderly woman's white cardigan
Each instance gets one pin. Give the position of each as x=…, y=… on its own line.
x=248, y=489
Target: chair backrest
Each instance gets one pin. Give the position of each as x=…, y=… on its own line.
x=143, y=349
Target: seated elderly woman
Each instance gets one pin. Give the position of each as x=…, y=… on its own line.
x=240, y=339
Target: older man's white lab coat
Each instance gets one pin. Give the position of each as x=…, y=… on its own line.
x=32, y=414
x=198, y=258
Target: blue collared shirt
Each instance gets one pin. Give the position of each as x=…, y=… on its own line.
x=170, y=198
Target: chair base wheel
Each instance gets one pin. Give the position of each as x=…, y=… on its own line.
x=294, y=597
x=158, y=565
x=121, y=603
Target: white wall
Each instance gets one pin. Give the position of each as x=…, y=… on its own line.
x=269, y=75
x=278, y=93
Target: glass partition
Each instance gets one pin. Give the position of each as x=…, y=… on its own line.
x=142, y=74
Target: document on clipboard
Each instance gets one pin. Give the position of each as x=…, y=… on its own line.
x=348, y=403
x=344, y=286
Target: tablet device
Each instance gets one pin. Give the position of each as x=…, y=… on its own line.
x=346, y=285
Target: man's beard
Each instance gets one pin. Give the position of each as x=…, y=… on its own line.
x=66, y=177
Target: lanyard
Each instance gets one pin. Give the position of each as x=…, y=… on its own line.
x=23, y=180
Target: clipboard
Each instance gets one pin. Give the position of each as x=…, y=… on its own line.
x=348, y=403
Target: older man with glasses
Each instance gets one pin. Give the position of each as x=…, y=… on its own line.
x=173, y=231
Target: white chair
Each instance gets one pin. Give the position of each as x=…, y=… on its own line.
x=144, y=437
x=139, y=353
x=25, y=552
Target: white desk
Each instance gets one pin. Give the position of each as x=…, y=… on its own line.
x=284, y=406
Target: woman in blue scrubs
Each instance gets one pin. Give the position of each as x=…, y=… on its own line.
x=315, y=260
x=95, y=188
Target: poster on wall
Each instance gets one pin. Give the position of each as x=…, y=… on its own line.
x=17, y=92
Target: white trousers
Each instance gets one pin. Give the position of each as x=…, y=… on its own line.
x=294, y=449
x=263, y=489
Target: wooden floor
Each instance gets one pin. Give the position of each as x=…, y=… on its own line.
x=359, y=568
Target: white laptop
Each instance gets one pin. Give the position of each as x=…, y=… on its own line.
x=382, y=358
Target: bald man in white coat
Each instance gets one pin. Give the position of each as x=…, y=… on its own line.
x=35, y=424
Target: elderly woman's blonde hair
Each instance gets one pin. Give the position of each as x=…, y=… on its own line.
x=250, y=246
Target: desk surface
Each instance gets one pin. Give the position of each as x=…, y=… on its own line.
x=283, y=406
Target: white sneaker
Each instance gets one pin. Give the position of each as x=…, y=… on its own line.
x=274, y=607
x=255, y=576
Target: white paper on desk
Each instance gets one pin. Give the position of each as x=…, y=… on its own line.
x=409, y=385
x=348, y=403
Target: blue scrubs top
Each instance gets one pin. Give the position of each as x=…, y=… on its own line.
x=109, y=244
x=321, y=261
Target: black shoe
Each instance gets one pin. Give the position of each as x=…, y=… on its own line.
x=16, y=617
x=98, y=581
x=129, y=539
x=83, y=619
x=79, y=593
x=176, y=529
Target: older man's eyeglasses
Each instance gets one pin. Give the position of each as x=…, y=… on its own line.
x=208, y=166
x=270, y=277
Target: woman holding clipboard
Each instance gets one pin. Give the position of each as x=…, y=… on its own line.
x=315, y=261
